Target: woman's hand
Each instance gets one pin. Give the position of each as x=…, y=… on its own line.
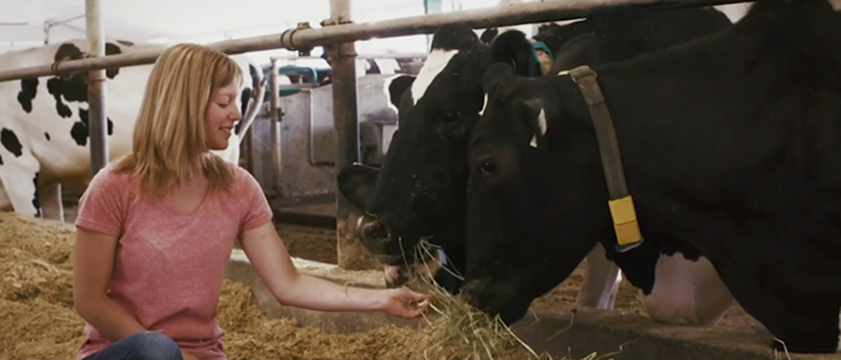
x=404, y=302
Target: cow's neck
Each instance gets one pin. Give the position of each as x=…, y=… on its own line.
x=678, y=154
x=638, y=261
x=656, y=133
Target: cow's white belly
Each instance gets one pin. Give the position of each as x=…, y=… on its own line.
x=687, y=292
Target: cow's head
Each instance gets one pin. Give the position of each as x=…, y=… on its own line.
x=420, y=189
x=529, y=208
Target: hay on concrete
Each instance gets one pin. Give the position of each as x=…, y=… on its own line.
x=36, y=314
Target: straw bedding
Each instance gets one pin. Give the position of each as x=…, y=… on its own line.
x=39, y=323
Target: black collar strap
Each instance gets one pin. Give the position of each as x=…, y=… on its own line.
x=621, y=204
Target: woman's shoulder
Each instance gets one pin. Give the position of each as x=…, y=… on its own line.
x=111, y=176
x=109, y=188
x=243, y=178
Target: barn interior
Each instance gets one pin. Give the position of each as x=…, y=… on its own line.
x=293, y=151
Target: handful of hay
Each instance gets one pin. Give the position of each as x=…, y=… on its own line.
x=457, y=330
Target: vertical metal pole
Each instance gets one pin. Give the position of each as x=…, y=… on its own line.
x=275, y=129
x=351, y=254
x=96, y=87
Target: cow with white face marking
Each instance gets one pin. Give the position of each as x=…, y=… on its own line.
x=728, y=148
x=44, y=131
x=456, y=60
x=420, y=190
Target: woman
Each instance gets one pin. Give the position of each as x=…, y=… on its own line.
x=155, y=229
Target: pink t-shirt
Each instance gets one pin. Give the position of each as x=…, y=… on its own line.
x=169, y=265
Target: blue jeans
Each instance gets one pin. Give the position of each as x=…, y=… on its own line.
x=141, y=346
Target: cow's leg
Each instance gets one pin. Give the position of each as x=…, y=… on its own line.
x=687, y=292
x=601, y=280
x=19, y=174
x=5, y=202
x=51, y=203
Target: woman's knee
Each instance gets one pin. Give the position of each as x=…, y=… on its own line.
x=154, y=345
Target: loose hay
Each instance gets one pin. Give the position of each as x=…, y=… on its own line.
x=36, y=297
x=36, y=314
x=461, y=331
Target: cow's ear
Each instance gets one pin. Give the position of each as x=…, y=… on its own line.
x=397, y=86
x=356, y=183
x=581, y=50
x=512, y=47
x=489, y=35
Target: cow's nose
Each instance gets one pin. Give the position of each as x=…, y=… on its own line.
x=472, y=291
x=396, y=276
x=373, y=231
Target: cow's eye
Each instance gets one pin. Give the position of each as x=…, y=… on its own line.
x=452, y=117
x=487, y=166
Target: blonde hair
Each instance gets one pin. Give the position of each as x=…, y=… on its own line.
x=169, y=140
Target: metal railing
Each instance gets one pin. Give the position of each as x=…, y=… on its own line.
x=300, y=38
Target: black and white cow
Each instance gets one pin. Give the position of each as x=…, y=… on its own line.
x=729, y=146
x=457, y=52
x=44, y=135
x=420, y=190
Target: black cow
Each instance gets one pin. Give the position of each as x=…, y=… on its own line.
x=422, y=188
x=729, y=143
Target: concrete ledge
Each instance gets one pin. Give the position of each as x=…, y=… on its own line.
x=565, y=332
x=240, y=270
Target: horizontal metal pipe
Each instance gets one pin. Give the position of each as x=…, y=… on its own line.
x=360, y=56
x=292, y=39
